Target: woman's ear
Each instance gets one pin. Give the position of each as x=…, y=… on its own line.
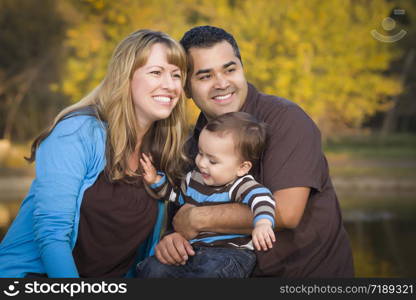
x=244, y=168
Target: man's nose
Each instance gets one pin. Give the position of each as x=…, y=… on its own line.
x=221, y=82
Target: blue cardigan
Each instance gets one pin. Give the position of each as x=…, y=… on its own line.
x=43, y=234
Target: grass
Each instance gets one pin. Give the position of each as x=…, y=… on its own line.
x=12, y=162
x=373, y=156
x=391, y=147
x=362, y=155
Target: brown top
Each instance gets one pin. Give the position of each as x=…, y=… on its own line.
x=115, y=219
x=319, y=246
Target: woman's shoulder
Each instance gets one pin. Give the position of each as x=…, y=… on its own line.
x=79, y=125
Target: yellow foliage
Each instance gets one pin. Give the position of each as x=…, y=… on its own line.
x=319, y=54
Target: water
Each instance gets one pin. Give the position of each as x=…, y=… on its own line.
x=381, y=226
x=382, y=230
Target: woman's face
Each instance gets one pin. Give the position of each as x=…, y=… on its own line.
x=156, y=87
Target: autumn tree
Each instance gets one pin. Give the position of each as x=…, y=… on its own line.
x=30, y=38
x=319, y=54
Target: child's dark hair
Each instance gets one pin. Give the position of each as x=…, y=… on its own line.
x=250, y=135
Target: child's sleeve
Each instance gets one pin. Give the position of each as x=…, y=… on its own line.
x=164, y=190
x=259, y=198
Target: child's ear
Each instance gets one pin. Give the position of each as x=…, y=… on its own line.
x=244, y=168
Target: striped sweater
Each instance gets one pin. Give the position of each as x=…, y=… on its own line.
x=243, y=190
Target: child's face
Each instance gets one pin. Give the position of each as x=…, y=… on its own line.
x=218, y=160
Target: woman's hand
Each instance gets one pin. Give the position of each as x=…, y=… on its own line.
x=150, y=175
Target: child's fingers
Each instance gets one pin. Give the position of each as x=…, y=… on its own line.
x=146, y=158
x=268, y=241
x=256, y=243
x=262, y=242
x=272, y=235
x=144, y=164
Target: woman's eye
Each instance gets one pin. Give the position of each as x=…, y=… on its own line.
x=156, y=72
x=212, y=162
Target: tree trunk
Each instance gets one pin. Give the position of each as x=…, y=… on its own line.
x=390, y=120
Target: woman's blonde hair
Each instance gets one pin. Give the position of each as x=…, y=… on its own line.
x=112, y=103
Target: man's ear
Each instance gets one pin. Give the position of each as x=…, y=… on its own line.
x=244, y=168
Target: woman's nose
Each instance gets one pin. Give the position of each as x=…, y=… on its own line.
x=167, y=82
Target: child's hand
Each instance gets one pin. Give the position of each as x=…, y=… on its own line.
x=263, y=235
x=150, y=175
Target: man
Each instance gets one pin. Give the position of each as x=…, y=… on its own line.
x=311, y=241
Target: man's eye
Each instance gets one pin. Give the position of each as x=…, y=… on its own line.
x=230, y=70
x=205, y=77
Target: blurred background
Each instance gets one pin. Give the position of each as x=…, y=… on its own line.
x=350, y=64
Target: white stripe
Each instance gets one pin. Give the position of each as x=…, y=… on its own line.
x=237, y=183
x=188, y=178
x=248, y=246
x=172, y=196
x=262, y=198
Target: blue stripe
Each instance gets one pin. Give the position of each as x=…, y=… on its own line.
x=218, y=238
x=199, y=197
x=160, y=182
x=261, y=190
x=157, y=229
x=259, y=217
x=180, y=199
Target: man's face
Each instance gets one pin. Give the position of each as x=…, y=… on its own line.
x=217, y=82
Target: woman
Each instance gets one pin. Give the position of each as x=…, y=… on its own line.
x=87, y=212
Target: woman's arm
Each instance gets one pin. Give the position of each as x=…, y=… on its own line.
x=61, y=165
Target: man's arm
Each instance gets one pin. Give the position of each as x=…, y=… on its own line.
x=226, y=218
x=237, y=218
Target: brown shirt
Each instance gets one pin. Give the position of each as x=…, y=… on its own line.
x=115, y=219
x=319, y=245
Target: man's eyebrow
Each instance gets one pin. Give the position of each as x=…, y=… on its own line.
x=202, y=71
x=229, y=64
x=224, y=66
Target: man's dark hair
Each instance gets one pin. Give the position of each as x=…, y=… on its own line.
x=208, y=36
x=249, y=135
